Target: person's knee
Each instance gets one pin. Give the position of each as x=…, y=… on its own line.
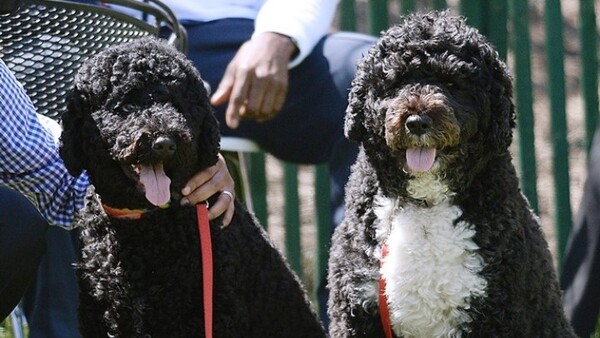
x=22, y=234
x=22, y=243
x=343, y=51
x=22, y=229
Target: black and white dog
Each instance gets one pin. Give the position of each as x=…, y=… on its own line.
x=438, y=240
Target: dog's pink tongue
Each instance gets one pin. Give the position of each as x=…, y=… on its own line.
x=420, y=159
x=156, y=184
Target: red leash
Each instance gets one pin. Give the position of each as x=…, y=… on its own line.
x=384, y=311
x=207, y=267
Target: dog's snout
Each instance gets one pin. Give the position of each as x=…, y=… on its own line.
x=164, y=146
x=419, y=124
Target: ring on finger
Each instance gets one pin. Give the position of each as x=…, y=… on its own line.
x=228, y=193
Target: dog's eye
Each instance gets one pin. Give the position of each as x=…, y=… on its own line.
x=126, y=109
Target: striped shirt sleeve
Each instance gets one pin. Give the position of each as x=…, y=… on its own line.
x=29, y=160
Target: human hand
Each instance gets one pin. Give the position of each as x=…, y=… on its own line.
x=256, y=80
x=208, y=182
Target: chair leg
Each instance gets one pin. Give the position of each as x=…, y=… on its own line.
x=17, y=321
x=245, y=181
x=238, y=170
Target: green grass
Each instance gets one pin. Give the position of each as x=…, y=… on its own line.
x=6, y=329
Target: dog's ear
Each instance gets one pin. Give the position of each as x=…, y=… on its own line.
x=502, y=107
x=354, y=126
x=208, y=144
x=71, y=140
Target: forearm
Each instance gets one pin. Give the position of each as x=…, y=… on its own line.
x=29, y=160
x=25, y=145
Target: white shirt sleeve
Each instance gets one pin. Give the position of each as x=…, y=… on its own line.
x=305, y=21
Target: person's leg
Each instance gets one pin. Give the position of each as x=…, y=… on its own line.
x=343, y=50
x=50, y=304
x=22, y=233
x=581, y=268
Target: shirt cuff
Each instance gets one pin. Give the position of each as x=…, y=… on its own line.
x=305, y=22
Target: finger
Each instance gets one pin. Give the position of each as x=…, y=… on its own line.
x=224, y=205
x=238, y=98
x=273, y=103
x=223, y=91
x=199, y=180
x=208, y=182
x=280, y=97
x=220, y=96
x=258, y=91
x=268, y=107
x=201, y=194
x=228, y=215
x=226, y=209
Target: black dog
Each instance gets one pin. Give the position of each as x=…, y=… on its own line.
x=435, y=187
x=140, y=123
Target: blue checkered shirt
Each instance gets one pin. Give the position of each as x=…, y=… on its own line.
x=29, y=160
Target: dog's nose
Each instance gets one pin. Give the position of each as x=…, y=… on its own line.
x=164, y=146
x=419, y=124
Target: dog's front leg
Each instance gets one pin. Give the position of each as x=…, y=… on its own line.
x=353, y=282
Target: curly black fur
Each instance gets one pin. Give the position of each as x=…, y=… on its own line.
x=142, y=278
x=434, y=65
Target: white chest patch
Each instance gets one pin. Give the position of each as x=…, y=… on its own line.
x=431, y=270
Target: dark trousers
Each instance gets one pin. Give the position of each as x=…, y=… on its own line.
x=22, y=243
x=310, y=127
x=581, y=269
x=50, y=303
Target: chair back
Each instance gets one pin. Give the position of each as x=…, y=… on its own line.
x=45, y=41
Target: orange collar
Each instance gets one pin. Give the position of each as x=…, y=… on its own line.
x=123, y=213
x=129, y=214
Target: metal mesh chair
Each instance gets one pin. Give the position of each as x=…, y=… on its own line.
x=45, y=41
